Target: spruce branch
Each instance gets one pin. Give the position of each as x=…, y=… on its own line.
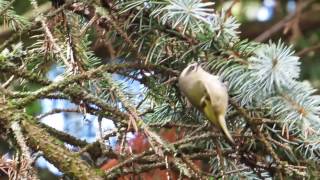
x=62, y=136
x=10, y=17
x=187, y=13
x=52, y=40
x=61, y=85
x=10, y=68
x=224, y=26
x=31, y=25
x=274, y=66
x=6, y=6
x=273, y=116
x=157, y=143
x=261, y=137
x=55, y=111
x=26, y=170
x=53, y=150
x=115, y=170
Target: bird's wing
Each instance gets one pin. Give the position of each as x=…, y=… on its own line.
x=206, y=104
x=217, y=93
x=209, y=87
x=215, y=110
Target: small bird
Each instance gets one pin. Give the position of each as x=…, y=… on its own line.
x=207, y=93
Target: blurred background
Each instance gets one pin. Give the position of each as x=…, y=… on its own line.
x=295, y=22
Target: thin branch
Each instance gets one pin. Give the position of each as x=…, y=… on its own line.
x=8, y=6
x=48, y=33
x=53, y=149
x=26, y=170
x=261, y=137
x=281, y=24
x=56, y=111
x=308, y=49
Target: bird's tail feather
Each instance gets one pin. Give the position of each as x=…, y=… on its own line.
x=223, y=126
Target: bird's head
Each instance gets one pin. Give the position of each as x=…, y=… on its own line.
x=191, y=68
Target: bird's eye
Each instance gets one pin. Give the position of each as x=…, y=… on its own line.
x=192, y=68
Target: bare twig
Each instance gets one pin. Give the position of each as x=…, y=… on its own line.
x=308, y=49
x=55, y=111
x=281, y=24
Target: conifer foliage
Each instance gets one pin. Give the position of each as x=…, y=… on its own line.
x=272, y=115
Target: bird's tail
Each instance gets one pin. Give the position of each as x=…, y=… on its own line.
x=223, y=126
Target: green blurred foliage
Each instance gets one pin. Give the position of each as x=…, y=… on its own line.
x=22, y=7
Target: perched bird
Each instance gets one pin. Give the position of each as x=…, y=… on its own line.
x=207, y=93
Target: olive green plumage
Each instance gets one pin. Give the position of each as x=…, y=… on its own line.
x=207, y=93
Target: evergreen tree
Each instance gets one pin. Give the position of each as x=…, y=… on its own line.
x=272, y=115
